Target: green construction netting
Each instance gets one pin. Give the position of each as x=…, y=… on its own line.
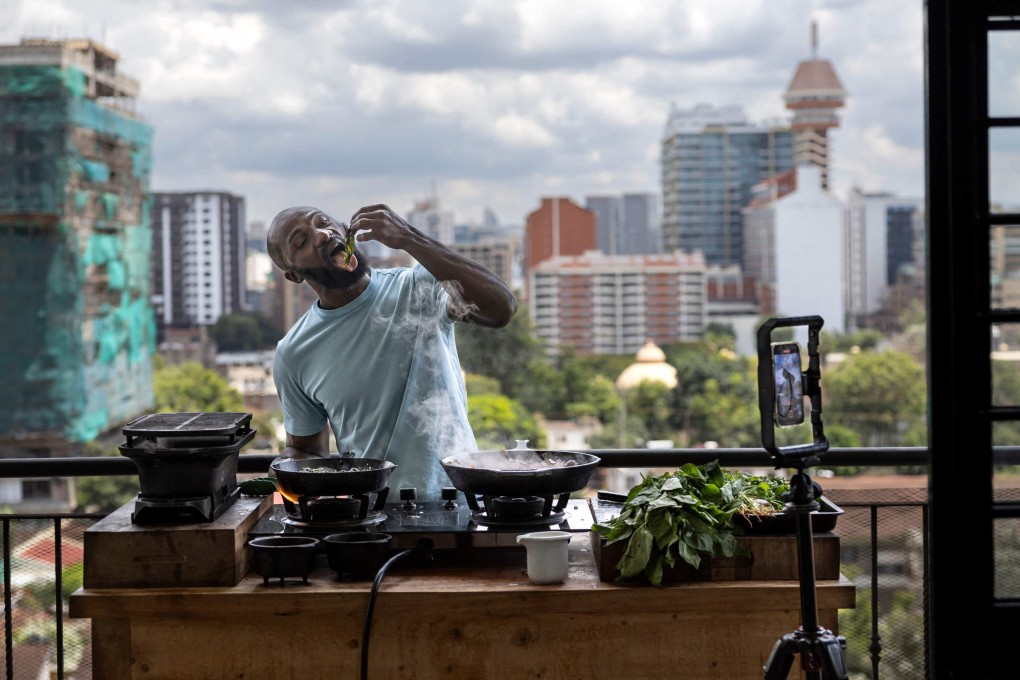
x=77, y=354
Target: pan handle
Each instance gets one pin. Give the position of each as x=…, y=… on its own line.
x=612, y=496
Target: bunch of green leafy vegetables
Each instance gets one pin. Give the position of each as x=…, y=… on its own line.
x=688, y=514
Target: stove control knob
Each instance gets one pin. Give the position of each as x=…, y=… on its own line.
x=449, y=494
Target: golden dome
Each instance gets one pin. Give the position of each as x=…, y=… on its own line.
x=650, y=365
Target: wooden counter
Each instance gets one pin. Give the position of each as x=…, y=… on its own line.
x=449, y=620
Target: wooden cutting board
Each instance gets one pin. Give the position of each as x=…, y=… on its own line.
x=119, y=554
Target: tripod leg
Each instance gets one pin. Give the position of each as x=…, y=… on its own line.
x=780, y=659
x=829, y=651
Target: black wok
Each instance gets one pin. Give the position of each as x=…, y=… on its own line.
x=520, y=472
x=333, y=476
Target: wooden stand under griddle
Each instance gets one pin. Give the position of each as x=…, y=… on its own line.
x=121, y=554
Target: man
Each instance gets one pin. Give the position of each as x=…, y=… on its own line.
x=375, y=359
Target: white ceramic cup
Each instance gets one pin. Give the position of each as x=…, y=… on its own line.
x=547, y=555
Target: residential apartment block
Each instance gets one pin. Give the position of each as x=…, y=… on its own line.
x=881, y=235
x=498, y=255
x=198, y=257
x=604, y=304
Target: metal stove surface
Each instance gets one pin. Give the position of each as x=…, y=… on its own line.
x=450, y=528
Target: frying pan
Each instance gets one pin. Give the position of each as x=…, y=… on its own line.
x=333, y=476
x=520, y=472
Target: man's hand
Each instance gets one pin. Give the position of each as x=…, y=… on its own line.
x=380, y=223
x=477, y=295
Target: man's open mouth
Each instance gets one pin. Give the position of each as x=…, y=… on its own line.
x=342, y=254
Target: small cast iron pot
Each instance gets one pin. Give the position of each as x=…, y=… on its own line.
x=283, y=556
x=357, y=555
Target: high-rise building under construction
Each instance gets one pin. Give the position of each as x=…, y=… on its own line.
x=711, y=159
x=76, y=351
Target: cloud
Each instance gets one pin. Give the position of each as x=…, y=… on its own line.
x=342, y=104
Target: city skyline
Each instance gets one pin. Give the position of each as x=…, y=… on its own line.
x=495, y=104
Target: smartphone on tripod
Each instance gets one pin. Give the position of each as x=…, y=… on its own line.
x=788, y=383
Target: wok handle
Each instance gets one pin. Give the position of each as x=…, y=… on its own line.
x=612, y=496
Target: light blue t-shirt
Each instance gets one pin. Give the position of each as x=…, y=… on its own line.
x=384, y=371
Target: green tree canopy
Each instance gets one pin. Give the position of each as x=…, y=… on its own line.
x=879, y=395
x=511, y=355
x=105, y=493
x=244, y=333
x=189, y=387
x=499, y=421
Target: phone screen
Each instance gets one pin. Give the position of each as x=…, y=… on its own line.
x=788, y=383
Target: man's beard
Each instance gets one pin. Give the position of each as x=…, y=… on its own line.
x=333, y=277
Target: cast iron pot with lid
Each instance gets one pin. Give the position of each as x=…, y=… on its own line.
x=338, y=475
x=520, y=471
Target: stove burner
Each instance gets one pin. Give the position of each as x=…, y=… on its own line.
x=497, y=511
x=340, y=511
x=371, y=519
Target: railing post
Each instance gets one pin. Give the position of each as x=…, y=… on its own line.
x=58, y=577
x=875, y=648
x=8, y=606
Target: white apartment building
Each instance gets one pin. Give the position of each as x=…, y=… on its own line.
x=797, y=254
x=198, y=257
x=602, y=304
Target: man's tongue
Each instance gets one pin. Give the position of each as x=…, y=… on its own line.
x=338, y=260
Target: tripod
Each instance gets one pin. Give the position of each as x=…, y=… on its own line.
x=821, y=652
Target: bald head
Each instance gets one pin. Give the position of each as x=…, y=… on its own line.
x=280, y=227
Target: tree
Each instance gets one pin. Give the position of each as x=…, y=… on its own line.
x=508, y=354
x=879, y=395
x=480, y=384
x=701, y=369
x=719, y=336
x=651, y=403
x=106, y=493
x=727, y=412
x=865, y=339
x=1005, y=392
x=244, y=333
x=598, y=399
x=498, y=422
x=189, y=387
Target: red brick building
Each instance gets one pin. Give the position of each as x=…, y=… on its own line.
x=558, y=227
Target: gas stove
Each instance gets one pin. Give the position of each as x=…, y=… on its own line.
x=464, y=522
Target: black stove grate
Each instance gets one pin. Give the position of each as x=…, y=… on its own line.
x=177, y=430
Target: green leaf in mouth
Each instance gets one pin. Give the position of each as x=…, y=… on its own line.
x=348, y=246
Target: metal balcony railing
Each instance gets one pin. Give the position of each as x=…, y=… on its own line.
x=883, y=538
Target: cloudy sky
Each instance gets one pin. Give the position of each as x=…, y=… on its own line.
x=491, y=103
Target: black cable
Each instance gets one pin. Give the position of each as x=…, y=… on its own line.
x=424, y=546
